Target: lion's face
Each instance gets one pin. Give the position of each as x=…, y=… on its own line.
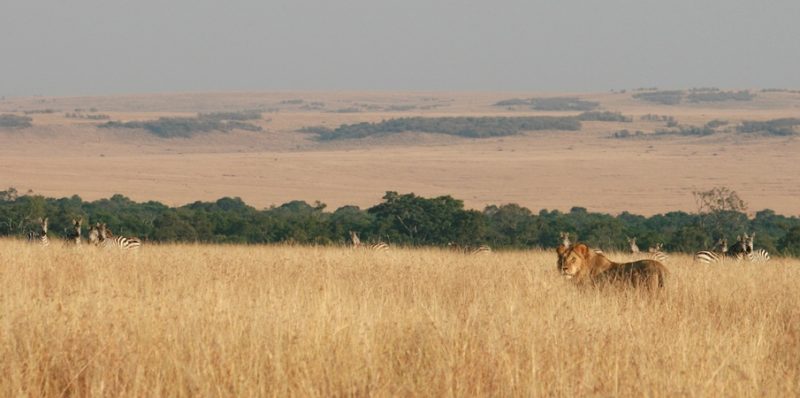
x=571, y=260
x=571, y=264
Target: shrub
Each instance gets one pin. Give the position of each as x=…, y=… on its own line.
x=669, y=97
x=8, y=120
x=551, y=104
x=184, y=127
x=778, y=127
x=604, y=117
x=720, y=96
x=472, y=127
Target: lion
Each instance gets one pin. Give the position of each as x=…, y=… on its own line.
x=586, y=267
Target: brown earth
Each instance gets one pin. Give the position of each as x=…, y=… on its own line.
x=61, y=156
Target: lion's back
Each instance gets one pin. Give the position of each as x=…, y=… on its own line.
x=648, y=273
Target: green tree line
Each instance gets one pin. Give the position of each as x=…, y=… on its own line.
x=400, y=219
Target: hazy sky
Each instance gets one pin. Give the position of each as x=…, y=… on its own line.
x=119, y=46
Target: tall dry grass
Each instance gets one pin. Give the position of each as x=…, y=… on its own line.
x=185, y=320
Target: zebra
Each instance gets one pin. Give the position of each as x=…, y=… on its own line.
x=739, y=249
x=40, y=239
x=379, y=246
x=565, y=239
x=75, y=235
x=656, y=252
x=470, y=250
x=722, y=252
x=633, y=246
x=94, y=234
x=107, y=239
x=759, y=256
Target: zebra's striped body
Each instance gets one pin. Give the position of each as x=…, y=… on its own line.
x=41, y=238
x=470, y=250
x=659, y=256
x=74, y=236
x=657, y=253
x=108, y=240
x=711, y=257
x=759, y=256
x=121, y=242
x=378, y=246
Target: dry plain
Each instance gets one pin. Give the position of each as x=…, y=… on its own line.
x=59, y=156
x=197, y=320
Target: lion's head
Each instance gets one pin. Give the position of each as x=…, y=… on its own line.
x=572, y=261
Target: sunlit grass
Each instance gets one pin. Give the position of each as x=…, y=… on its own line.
x=194, y=320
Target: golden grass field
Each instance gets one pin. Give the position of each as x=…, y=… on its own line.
x=59, y=156
x=198, y=320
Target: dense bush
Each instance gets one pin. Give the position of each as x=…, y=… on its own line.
x=779, y=127
x=551, y=104
x=8, y=120
x=668, y=97
x=471, y=127
x=604, y=117
x=627, y=134
x=241, y=115
x=401, y=219
x=688, y=131
x=184, y=127
x=719, y=96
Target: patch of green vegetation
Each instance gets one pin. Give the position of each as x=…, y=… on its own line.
x=776, y=127
x=627, y=134
x=470, y=127
x=667, y=97
x=720, y=96
x=185, y=127
x=11, y=121
x=551, y=104
x=604, y=117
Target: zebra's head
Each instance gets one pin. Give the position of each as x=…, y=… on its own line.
x=656, y=248
x=105, y=233
x=632, y=243
x=564, y=238
x=748, y=242
x=43, y=224
x=722, y=245
x=354, y=238
x=94, y=234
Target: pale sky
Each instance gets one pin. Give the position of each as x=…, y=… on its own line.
x=86, y=47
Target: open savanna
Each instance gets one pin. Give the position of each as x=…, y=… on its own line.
x=202, y=320
x=61, y=156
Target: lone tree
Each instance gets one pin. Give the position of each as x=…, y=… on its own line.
x=722, y=211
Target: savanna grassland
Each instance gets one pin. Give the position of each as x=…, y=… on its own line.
x=643, y=174
x=200, y=320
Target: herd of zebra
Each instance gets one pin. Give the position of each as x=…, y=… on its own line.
x=742, y=250
x=99, y=235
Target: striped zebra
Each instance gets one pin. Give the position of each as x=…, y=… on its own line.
x=634, y=248
x=656, y=252
x=759, y=256
x=379, y=246
x=470, y=250
x=94, y=235
x=74, y=236
x=722, y=253
x=108, y=240
x=40, y=238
